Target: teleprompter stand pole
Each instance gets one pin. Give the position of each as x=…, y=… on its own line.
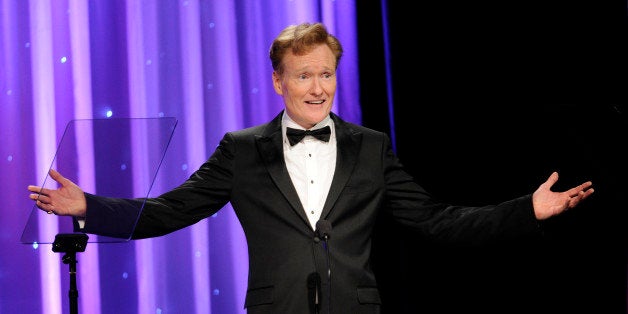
x=70, y=243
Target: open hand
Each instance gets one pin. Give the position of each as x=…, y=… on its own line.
x=67, y=200
x=548, y=203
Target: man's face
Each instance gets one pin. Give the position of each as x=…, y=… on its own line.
x=307, y=85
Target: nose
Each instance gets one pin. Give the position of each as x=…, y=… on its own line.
x=317, y=86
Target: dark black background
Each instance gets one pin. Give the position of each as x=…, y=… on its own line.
x=489, y=98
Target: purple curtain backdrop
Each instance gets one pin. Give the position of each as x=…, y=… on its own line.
x=204, y=63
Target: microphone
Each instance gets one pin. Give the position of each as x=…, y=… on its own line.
x=314, y=290
x=323, y=231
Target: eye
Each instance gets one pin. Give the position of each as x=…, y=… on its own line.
x=327, y=75
x=303, y=77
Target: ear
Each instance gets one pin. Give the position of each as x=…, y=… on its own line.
x=277, y=83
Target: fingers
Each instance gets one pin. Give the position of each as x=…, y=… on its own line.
x=48, y=208
x=34, y=188
x=582, y=192
x=588, y=192
x=39, y=197
x=584, y=188
x=574, y=200
x=573, y=192
x=38, y=192
x=56, y=201
x=553, y=178
x=40, y=189
x=55, y=175
x=42, y=201
x=585, y=192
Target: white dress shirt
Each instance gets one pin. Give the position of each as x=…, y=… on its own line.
x=311, y=164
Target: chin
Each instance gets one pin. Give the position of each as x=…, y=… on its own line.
x=317, y=118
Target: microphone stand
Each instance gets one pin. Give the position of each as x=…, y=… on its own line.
x=326, y=246
x=70, y=243
x=323, y=230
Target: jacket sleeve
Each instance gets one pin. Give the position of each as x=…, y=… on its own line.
x=414, y=207
x=205, y=192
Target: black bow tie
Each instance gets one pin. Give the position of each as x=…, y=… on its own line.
x=296, y=135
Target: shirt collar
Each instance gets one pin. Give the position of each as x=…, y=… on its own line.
x=286, y=121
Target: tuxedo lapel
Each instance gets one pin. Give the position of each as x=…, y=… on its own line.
x=348, y=145
x=270, y=145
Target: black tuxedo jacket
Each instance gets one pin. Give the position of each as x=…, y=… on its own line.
x=248, y=170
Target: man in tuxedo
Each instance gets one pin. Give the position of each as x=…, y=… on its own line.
x=307, y=188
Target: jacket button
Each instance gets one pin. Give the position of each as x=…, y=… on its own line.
x=317, y=239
